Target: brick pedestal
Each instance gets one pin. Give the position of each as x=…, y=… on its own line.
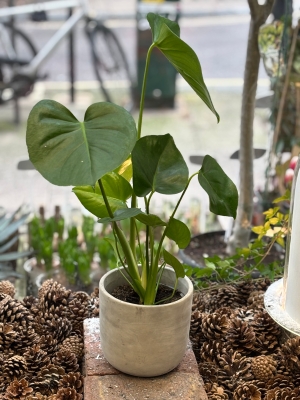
x=103, y=382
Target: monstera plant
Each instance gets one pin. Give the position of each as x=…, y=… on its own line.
x=116, y=172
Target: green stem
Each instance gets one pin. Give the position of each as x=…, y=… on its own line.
x=147, y=238
x=150, y=292
x=139, y=130
x=130, y=259
x=142, y=102
x=173, y=213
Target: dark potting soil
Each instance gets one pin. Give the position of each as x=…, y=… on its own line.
x=127, y=294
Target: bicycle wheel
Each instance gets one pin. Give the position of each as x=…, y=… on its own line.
x=110, y=65
x=22, y=53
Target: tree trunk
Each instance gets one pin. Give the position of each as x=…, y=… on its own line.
x=242, y=227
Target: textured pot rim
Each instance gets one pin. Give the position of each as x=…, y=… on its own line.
x=186, y=296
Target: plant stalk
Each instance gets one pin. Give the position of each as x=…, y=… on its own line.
x=139, y=130
x=130, y=259
x=150, y=292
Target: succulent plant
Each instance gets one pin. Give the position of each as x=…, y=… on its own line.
x=9, y=237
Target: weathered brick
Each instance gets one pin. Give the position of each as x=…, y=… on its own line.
x=172, y=386
x=103, y=382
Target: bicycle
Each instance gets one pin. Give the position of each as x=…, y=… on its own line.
x=20, y=60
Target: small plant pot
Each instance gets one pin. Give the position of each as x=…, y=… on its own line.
x=140, y=340
x=36, y=275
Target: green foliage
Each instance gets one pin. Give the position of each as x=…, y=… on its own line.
x=249, y=260
x=94, y=155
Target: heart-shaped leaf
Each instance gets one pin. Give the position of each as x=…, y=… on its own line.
x=158, y=166
x=222, y=192
x=150, y=220
x=125, y=169
x=115, y=186
x=68, y=152
x=94, y=202
x=181, y=55
x=179, y=232
x=174, y=263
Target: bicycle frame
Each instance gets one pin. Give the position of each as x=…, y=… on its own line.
x=82, y=5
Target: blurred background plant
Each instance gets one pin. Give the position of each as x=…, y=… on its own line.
x=9, y=242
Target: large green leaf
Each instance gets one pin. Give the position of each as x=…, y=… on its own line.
x=181, y=55
x=94, y=202
x=222, y=192
x=158, y=166
x=174, y=263
x=179, y=232
x=68, y=152
x=150, y=220
x=115, y=186
x=125, y=169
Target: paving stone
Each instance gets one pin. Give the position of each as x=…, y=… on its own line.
x=172, y=386
x=103, y=382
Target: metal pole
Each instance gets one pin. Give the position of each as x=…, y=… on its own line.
x=71, y=62
x=13, y=41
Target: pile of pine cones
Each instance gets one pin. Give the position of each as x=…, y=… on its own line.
x=238, y=346
x=41, y=342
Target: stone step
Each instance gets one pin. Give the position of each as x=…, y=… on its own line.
x=103, y=382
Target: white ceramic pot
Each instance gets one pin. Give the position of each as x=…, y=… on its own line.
x=143, y=340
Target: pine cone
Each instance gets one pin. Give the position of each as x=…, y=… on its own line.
x=236, y=366
x=290, y=351
x=67, y=360
x=31, y=303
x=24, y=338
x=37, y=396
x=211, y=350
x=52, y=293
x=241, y=336
x=244, y=289
x=47, y=380
x=74, y=344
x=18, y=389
x=14, y=367
x=267, y=333
x=7, y=335
x=72, y=380
x=8, y=288
x=209, y=372
x=214, y=326
x=58, y=328
x=263, y=367
x=79, y=310
x=281, y=382
x=12, y=311
x=48, y=344
x=246, y=391
x=245, y=315
x=216, y=392
x=256, y=300
x=199, y=301
x=226, y=296
x=282, y=394
x=67, y=394
x=196, y=336
x=36, y=359
x=93, y=306
x=261, y=284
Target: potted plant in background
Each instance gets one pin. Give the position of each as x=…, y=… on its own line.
x=69, y=255
x=99, y=156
